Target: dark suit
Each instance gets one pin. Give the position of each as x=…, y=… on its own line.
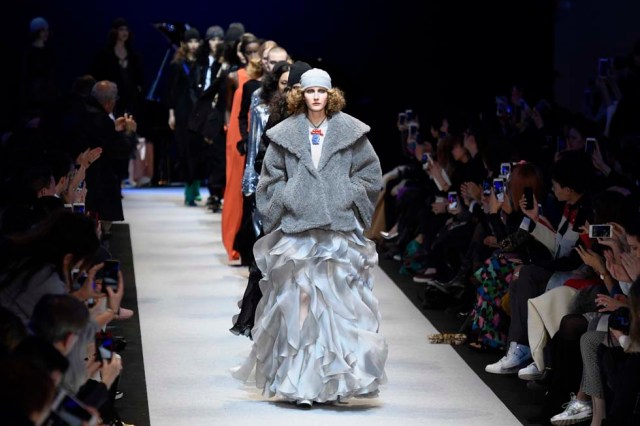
x=97, y=129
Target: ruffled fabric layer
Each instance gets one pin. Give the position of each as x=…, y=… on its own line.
x=316, y=329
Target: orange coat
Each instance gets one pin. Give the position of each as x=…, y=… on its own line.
x=232, y=208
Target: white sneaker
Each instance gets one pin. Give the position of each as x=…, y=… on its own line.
x=575, y=411
x=516, y=356
x=530, y=372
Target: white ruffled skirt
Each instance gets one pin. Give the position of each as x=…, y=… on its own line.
x=316, y=327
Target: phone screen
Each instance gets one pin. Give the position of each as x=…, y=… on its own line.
x=409, y=114
x=505, y=169
x=413, y=130
x=452, y=198
x=402, y=118
x=78, y=207
x=68, y=410
x=603, y=67
x=498, y=189
x=561, y=144
x=589, y=145
x=486, y=187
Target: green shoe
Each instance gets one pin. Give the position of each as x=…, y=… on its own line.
x=195, y=187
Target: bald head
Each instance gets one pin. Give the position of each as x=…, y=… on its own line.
x=276, y=55
x=106, y=93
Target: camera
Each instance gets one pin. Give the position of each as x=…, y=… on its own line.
x=110, y=274
x=105, y=345
x=68, y=410
x=498, y=189
x=600, y=231
x=528, y=197
x=402, y=118
x=78, y=208
x=452, y=198
x=425, y=158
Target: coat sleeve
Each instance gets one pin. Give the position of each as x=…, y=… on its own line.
x=269, y=193
x=366, y=179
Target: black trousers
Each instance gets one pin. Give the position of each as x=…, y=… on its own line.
x=531, y=283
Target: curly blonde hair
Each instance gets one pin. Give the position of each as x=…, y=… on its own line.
x=296, y=105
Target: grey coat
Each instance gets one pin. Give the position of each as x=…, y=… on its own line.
x=295, y=195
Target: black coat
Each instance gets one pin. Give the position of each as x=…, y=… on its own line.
x=97, y=129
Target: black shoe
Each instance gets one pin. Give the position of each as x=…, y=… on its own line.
x=543, y=383
x=453, y=288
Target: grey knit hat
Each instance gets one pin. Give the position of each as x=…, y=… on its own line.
x=215, y=31
x=191, y=33
x=315, y=77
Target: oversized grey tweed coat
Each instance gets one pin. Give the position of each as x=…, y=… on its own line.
x=294, y=194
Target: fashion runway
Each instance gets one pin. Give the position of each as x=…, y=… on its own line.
x=187, y=295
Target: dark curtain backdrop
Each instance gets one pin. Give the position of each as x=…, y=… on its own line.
x=387, y=56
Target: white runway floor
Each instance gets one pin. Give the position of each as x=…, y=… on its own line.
x=187, y=294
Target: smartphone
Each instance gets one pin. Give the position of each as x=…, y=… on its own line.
x=528, y=196
x=505, y=169
x=600, y=231
x=408, y=114
x=78, y=208
x=590, y=145
x=77, y=279
x=604, y=65
x=104, y=345
x=452, y=198
x=425, y=158
x=561, y=144
x=110, y=274
x=68, y=207
x=498, y=189
x=486, y=187
x=579, y=220
x=413, y=130
x=69, y=410
x=402, y=118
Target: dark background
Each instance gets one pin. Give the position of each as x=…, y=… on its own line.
x=386, y=56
